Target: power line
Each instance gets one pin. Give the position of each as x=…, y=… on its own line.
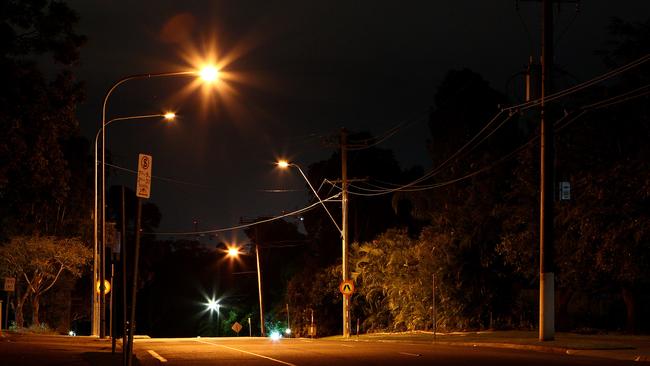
x=517, y=108
x=243, y=226
x=561, y=124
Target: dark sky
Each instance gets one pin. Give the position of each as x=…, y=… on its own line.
x=304, y=69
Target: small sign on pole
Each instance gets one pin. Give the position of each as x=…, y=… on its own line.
x=347, y=287
x=143, y=188
x=10, y=284
x=236, y=327
x=565, y=191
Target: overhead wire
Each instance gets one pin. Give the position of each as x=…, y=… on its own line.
x=560, y=124
x=243, y=226
x=519, y=108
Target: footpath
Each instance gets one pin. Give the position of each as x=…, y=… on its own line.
x=612, y=346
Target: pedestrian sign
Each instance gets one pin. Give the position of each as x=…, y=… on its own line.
x=347, y=287
x=143, y=188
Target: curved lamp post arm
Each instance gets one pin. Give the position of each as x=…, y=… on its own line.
x=318, y=197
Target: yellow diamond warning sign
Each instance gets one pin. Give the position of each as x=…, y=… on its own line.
x=347, y=287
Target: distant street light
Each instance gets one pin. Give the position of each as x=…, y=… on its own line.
x=168, y=116
x=208, y=74
x=214, y=305
x=283, y=164
x=233, y=252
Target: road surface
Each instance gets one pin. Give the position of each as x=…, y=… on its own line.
x=305, y=352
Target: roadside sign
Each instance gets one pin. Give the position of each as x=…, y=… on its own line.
x=236, y=327
x=10, y=284
x=143, y=188
x=347, y=287
x=107, y=287
x=565, y=191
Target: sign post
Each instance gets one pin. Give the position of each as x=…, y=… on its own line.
x=143, y=190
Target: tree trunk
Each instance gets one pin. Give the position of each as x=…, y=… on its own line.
x=35, y=307
x=630, y=304
x=20, y=302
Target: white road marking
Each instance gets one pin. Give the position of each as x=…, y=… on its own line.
x=347, y=345
x=250, y=353
x=409, y=354
x=156, y=355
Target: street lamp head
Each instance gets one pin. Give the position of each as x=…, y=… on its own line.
x=213, y=305
x=233, y=252
x=209, y=74
x=283, y=164
x=169, y=116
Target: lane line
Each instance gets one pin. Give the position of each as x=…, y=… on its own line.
x=250, y=353
x=347, y=345
x=156, y=355
x=409, y=354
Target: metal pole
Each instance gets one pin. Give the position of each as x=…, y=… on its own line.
x=123, y=253
x=111, y=320
x=136, y=257
x=102, y=326
x=93, y=292
x=259, y=284
x=344, y=265
x=546, y=247
x=250, y=329
x=433, y=304
x=288, y=322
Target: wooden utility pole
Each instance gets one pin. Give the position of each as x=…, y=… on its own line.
x=546, y=245
x=344, y=229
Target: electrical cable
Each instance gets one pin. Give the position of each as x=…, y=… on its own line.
x=519, y=108
x=243, y=226
x=560, y=124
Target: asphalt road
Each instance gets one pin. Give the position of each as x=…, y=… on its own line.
x=306, y=352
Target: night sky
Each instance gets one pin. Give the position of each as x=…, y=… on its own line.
x=300, y=71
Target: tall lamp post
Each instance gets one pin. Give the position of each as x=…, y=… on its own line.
x=208, y=74
x=283, y=164
x=233, y=252
x=214, y=305
x=168, y=116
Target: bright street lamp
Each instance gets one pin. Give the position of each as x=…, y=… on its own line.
x=234, y=252
x=168, y=116
x=204, y=74
x=283, y=164
x=213, y=305
x=209, y=74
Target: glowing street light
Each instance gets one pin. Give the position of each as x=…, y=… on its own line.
x=233, y=252
x=213, y=305
x=168, y=116
x=284, y=164
x=208, y=74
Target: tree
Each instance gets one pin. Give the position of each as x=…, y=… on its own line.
x=38, y=262
x=37, y=117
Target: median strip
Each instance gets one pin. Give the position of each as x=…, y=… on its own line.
x=250, y=353
x=157, y=356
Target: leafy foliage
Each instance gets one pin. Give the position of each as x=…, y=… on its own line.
x=38, y=263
